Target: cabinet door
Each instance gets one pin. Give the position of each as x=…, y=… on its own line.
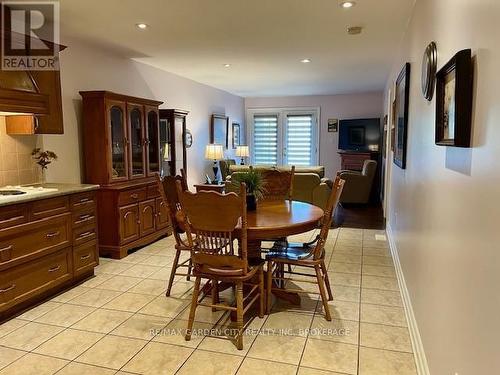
x=117, y=133
x=152, y=141
x=179, y=153
x=162, y=218
x=129, y=223
x=49, y=83
x=137, y=140
x=147, y=217
x=165, y=148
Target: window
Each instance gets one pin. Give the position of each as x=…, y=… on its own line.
x=283, y=136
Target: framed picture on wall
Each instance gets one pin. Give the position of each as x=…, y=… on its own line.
x=333, y=125
x=454, y=101
x=219, y=129
x=401, y=116
x=236, y=135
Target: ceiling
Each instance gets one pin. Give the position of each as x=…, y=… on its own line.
x=263, y=40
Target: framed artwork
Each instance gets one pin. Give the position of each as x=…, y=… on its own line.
x=333, y=125
x=236, y=134
x=401, y=116
x=188, y=138
x=219, y=129
x=454, y=101
x=429, y=66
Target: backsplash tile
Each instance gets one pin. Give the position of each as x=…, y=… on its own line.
x=17, y=167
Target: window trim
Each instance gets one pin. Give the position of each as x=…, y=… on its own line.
x=282, y=113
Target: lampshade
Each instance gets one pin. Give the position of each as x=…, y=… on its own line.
x=214, y=152
x=166, y=152
x=242, y=151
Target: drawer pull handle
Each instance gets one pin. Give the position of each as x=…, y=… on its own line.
x=83, y=200
x=8, y=248
x=54, y=269
x=134, y=196
x=86, y=234
x=8, y=288
x=52, y=234
x=13, y=219
x=83, y=218
x=85, y=257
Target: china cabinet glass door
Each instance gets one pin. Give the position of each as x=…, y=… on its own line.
x=116, y=116
x=165, y=147
x=153, y=142
x=137, y=142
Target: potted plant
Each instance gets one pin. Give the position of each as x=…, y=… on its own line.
x=255, y=186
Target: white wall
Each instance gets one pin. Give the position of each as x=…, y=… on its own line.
x=86, y=67
x=365, y=105
x=445, y=207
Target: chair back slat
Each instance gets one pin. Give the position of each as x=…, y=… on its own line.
x=278, y=184
x=212, y=221
x=331, y=204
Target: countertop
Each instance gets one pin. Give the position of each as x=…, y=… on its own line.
x=61, y=189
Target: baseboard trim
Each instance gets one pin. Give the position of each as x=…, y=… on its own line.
x=416, y=342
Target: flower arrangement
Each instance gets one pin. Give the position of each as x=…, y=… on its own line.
x=43, y=158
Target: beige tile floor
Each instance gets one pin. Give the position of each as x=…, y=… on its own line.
x=120, y=322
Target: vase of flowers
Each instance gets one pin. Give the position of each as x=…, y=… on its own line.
x=254, y=185
x=43, y=159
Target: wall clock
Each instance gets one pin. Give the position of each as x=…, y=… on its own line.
x=429, y=67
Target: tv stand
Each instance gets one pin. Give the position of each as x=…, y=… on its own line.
x=353, y=160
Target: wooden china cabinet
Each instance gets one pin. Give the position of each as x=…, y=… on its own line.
x=122, y=154
x=173, y=141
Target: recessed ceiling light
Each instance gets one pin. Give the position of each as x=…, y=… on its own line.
x=347, y=4
x=227, y=65
x=141, y=26
x=354, y=30
x=305, y=61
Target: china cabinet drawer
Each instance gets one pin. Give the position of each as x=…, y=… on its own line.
x=20, y=283
x=132, y=196
x=153, y=191
x=49, y=207
x=27, y=241
x=85, y=257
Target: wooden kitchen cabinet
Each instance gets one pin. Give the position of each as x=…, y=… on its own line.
x=147, y=213
x=46, y=245
x=162, y=217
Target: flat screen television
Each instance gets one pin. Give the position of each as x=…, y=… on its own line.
x=359, y=134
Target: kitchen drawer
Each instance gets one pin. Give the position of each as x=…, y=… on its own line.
x=49, y=207
x=153, y=191
x=84, y=234
x=82, y=201
x=30, y=240
x=132, y=196
x=13, y=215
x=20, y=283
x=85, y=257
x=85, y=215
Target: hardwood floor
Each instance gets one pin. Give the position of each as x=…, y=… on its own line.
x=369, y=216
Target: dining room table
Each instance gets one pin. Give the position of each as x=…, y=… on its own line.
x=280, y=219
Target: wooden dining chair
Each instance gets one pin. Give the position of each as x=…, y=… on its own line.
x=216, y=224
x=278, y=184
x=311, y=257
x=168, y=192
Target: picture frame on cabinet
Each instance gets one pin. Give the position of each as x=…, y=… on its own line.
x=454, y=83
x=401, y=116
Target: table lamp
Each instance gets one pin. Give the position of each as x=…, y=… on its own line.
x=214, y=152
x=242, y=152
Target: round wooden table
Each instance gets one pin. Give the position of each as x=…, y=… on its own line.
x=279, y=219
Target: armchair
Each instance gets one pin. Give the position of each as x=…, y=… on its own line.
x=358, y=185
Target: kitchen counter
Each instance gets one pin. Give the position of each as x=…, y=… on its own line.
x=52, y=190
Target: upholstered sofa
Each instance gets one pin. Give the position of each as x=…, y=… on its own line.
x=309, y=183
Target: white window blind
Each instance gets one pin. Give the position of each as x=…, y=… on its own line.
x=299, y=139
x=265, y=139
